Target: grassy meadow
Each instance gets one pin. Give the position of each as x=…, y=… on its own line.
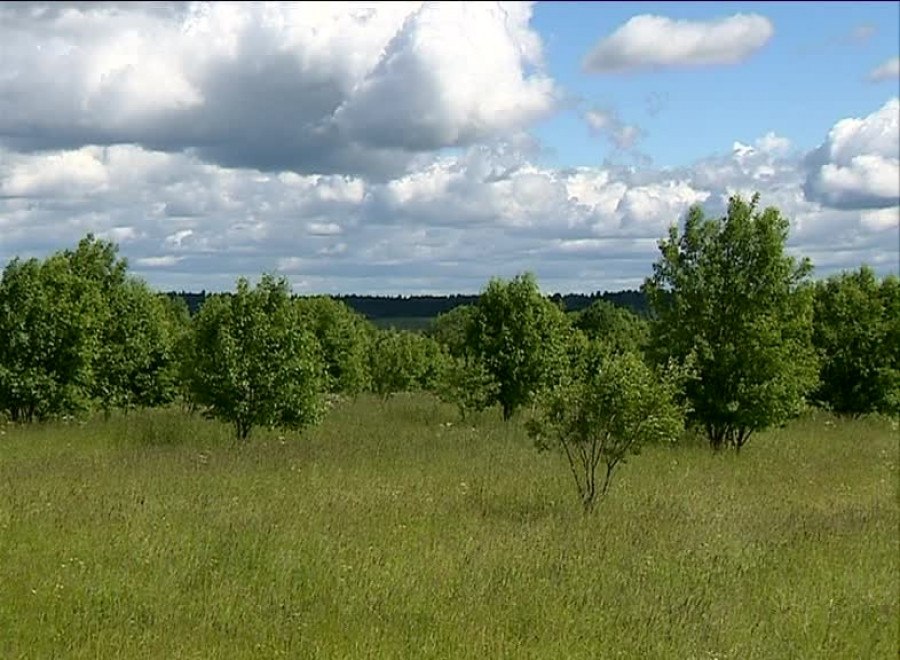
x=397, y=531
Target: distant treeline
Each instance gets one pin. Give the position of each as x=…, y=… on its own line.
x=394, y=307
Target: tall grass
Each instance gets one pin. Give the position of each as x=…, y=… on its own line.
x=396, y=531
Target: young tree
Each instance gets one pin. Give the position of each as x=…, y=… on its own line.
x=467, y=384
x=255, y=362
x=726, y=296
x=520, y=338
x=615, y=326
x=451, y=330
x=603, y=412
x=403, y=361
x=857, y=333
x=134, y=365
x=178, y=319
x=345, y=342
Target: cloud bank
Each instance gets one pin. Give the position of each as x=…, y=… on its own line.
x=376, y=149
x=309, y=87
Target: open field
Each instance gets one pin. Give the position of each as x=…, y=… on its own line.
x=386, y=533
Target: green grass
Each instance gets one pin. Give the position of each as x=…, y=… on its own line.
x=386, y=533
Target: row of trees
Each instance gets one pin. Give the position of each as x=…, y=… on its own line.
x=740, y=339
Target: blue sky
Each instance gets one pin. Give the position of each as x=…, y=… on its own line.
x=409, y=147
x=811, y=72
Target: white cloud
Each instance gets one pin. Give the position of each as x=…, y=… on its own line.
x=66, y=173
x=158, y=262
x=648, y=42
x=227, y=139
x=648, y=210
x=607, y=122
x=858, y=165
x=889, y=70
x=453, y=74
x=881, y=219
x=489, y=210
x=323, y=228
x=312, y=87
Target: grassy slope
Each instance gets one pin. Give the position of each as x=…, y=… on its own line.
x=386, y=533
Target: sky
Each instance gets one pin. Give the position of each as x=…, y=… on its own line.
x=422, y=148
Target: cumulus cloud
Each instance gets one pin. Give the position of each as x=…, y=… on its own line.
x=651, y=42
x=889, y=70
x=450, y=226
x=217, y=140
x=858, y=165
x=158, y=262
x=310, y=87
x=447, y=227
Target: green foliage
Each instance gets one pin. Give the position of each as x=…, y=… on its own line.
x=727, y=298
x=404, y=361
x=452, y=330
x=520, y=338
x=468, y=385
x=857, y=332
x=615, y=326
x=178, y=318
x=135, y=360
x=255, y=361
x=48, y=338
x=344, y=337
x=466, y=381
x=77, y=331
x=607, y=410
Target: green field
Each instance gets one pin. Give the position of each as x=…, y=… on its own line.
x=396, y=531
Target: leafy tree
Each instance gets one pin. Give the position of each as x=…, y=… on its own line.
x=604, y=411
x=178, y=319
x=135, y=360
x=857, y=332
x=726, y=297
x=519, y=336
x=97, y=261
x=467, y=384
x=345, y=342
x=615, y=326
x=48, y=338
x=255, y=361
x=451, y=330
x=79, y=331
x=403, y=361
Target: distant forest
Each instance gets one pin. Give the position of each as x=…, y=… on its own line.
x=380, y=308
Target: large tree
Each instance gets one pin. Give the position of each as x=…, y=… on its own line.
x=49, y=320
x=857, y=332
x=520, y=338
x=255, y=361
x=134, y=364
x=727, y=298
x=76, y=330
